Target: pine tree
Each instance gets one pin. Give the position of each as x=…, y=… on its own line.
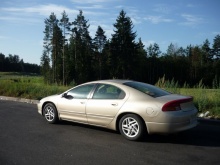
x=45, y=67
x=123, y=47
x=83, y=49
x=99, y=44
x=153, y=50
x=216, y=46
x=181, y=52
x=53, y=45
x=140, y=61
x=172, y=50
x=65, y=26
x=206, y=51
x=2, y=62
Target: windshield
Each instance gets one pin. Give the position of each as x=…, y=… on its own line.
x=147, y=89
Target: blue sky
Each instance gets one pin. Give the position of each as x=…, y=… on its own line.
x=181, y=22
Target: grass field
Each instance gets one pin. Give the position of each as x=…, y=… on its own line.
x=26, y=86
x=32, y=87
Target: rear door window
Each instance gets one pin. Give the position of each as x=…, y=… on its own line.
x=106, y=91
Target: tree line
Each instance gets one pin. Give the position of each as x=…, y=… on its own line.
x=72, y=56
x=13, y=63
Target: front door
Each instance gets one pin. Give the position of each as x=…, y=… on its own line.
x=73, y=105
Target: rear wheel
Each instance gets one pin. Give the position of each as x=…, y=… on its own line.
x=50, y=113
x=132, y=127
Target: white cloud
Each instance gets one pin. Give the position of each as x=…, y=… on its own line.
x=157, y=19
x=91, y=7
x=191, y=20
x=119, y=7
x=163, y=8
x=18, y=19
x=136, y=20
x=134, y=14
x=44, y=10
x=90, y=1
x=35, y=14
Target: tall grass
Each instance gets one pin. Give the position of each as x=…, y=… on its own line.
x=30, y=87
x=168, y=85
x=205, y=99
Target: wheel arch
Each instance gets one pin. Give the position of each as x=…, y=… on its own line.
x=45, y=103
x=126, y=113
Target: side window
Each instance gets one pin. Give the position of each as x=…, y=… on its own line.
x=81, y=92
x=105, y=91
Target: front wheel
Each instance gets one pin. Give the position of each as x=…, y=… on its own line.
x=50, y=113
x=132, y=127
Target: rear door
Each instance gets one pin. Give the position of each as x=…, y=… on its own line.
x=104, y=104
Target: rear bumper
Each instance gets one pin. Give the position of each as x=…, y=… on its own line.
x=167, y=128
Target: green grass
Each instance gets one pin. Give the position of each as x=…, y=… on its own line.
x=205, y=99
x=26, y=86
x=32, y=87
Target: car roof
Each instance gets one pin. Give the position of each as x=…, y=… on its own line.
x=116, y=81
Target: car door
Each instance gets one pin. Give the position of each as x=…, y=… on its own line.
x=104, y=104
x=72, y=104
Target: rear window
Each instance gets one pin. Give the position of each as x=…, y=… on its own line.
x=147, y=89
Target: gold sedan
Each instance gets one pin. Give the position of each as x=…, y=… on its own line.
x=131, y=107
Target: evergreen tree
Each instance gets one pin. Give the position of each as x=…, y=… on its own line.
x=206, y=51
x=2, y=62
x=216, y=46
x=140, y=61
x=65, y=26
x=181, y=52
x=99, y=44
x=153, y=50
x=123, y=47
x=83, y=59
x=53, y=46
x=196, y=64
x=173, y=50
x=45, y=67
x=83, y=49
x=107, y=61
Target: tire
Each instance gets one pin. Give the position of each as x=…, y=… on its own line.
x=50, y=113
x=132, y=127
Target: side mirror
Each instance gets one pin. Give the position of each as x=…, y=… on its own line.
x=64, y=95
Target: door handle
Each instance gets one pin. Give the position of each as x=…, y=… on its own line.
x=82, y=102
x=114, y=104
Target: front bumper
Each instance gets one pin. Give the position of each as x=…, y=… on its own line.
x=39, y=108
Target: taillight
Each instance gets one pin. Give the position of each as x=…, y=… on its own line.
x=175, y=104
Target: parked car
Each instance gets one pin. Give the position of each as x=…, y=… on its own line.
x=131, y=107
